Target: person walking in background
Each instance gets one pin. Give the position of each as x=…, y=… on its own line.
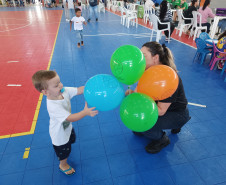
x=93, y=7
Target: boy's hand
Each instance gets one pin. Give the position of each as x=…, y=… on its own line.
x=80, y=90
x=90, y=111
x=85, y=23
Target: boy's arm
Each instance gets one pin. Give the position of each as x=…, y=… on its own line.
x=70, y=24
x=84, y=22
x=85, y=112
x=80, y=90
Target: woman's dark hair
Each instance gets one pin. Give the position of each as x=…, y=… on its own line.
x=165, y=54
x=193, y=2
x=207, y=2
x=222, y=35
x=163, y=9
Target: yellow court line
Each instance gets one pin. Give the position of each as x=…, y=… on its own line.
x=39, y=100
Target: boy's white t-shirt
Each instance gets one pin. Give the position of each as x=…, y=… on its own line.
x=78, y=22
x=59, y=110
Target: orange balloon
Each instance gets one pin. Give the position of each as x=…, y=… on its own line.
x=159, y=82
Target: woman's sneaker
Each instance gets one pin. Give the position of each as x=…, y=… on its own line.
x=175, y=131
x=157, y=145
x=138, y=133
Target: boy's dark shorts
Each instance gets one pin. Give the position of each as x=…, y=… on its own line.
x=64, y=151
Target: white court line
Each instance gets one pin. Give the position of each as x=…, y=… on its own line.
x=12, y=61
x=17, y=27
x=143, y=37
x=14, y=85
x=119, y=34
x=195, y=104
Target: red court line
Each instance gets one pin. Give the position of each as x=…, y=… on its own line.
x=27, y=37
x=184, y=38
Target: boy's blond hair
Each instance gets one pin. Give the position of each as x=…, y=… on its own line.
x=40, y=78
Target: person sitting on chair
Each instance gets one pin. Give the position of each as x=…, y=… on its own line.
x=206, y=12
x=165, y=15
x=188, y=13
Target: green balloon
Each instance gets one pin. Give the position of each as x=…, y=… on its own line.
x=139, y=112
x=128, y=64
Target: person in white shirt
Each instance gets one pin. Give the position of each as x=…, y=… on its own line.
x=66, y=11
x=71, y=7
x=59, y=108
x=78, y=26
x=149, y=3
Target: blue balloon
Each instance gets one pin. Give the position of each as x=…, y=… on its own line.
x=104, y=92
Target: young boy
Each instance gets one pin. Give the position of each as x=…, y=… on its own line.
x=59, y=108
x=78, y=26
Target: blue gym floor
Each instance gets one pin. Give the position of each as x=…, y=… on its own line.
x=106, y=152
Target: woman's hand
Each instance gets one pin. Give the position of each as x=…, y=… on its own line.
x=162, y=108
x=129, y=91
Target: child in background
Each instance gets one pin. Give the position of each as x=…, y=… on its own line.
x=79, y=6
x=59, y=108
x=221, y=46
x=78, y=26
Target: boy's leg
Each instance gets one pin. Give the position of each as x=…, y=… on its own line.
x=64, y=166
x=63, y=153
x=78, y=37
x=81, y=34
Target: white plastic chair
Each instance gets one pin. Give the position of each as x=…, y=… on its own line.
x=101, y=7
x=109, y=4
x=123, y=16
x=146, y=14
x=131, y=16
x=114, y=6
x=151, y=11
x=181, y=24
x=155, y=21
x=196, y=26
x=133, y=7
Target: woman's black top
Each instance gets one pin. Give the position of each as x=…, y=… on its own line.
x=178, y=100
